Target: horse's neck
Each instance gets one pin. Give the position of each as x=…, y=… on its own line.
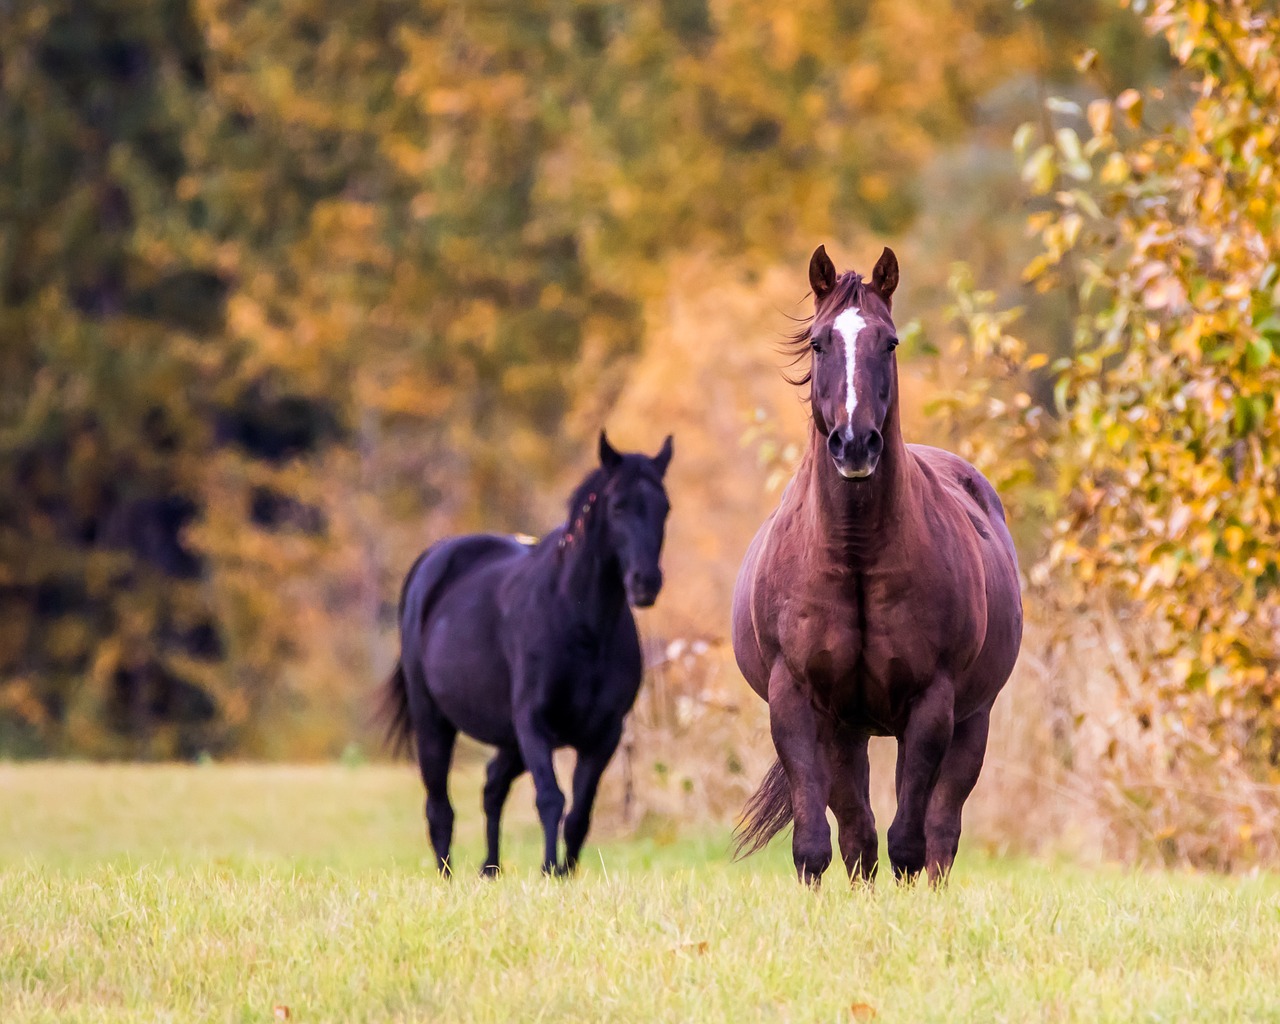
x=590, y=581
x=859, y=521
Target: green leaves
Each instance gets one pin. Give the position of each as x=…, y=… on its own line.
x=1258, y=353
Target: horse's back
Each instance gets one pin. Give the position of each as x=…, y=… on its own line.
x=746, y=643
x=970, y=488
x=451, y=621
x=976, y=499
x=444, y=564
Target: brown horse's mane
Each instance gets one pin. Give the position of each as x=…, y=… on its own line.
x=849, y=290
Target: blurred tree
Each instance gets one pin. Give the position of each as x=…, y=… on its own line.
x=109, y=342
x=1161, y=223
x=1167, y=228
x=279, y=278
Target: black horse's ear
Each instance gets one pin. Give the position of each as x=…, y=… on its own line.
x=663, y=459
x=884, y=278
x=822, y=273
x=610, y=459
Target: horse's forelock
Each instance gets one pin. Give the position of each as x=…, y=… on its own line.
x=849, y=290
x=595, y=483
x=585, y=497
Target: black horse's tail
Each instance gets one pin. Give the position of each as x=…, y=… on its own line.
x=767, y=813
x=393, y=713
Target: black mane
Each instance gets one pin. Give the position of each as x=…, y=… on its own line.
x=593, y=485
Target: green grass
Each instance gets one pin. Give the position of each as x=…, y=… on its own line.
x=218, y=893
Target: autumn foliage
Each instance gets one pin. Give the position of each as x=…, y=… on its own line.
x=288, y=290
x=1157, y=468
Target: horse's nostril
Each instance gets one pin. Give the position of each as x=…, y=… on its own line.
x=835, y=444
x=645, y=582
x=875, y=443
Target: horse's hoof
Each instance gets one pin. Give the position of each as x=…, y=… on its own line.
x=490, y=871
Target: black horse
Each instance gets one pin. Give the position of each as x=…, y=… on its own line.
x=531, y=648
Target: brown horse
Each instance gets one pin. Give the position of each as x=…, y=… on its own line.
x=881, y=598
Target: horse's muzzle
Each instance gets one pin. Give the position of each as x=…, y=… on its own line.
x=855, y=455
x=643, y=588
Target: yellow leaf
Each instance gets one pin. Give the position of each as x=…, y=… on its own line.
x=1130, y=102
x=1100, y=117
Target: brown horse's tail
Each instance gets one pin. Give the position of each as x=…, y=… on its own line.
x=393, y=713
x=767, y=813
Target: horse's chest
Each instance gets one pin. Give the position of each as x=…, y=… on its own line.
x=861, y=662
x=584, y=695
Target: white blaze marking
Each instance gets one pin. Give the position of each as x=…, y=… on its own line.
x=849, y=323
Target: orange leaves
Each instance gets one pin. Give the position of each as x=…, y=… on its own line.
x=1099, y=117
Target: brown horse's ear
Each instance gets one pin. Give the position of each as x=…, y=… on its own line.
x=610, y=459
x=663, y=459
x=822, y=273
x=884, y=278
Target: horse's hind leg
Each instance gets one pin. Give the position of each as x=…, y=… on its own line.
x=795, y=727
x=921, y=750
x=956, y=780
x=436, y=736
x=850, y=801
x=504, y=769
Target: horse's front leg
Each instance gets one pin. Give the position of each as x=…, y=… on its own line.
x=850, y=800
x=537, y=747
x=592, y=761
x=921, y=749
x=795, y=727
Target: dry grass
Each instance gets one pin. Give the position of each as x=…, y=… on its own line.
x=219, y=893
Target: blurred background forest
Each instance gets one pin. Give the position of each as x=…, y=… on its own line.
x=291, y=288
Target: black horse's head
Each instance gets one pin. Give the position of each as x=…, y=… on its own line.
x=854, y=373
x=628, y=491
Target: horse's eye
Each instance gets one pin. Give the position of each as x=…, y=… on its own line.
x=893, y=343
x=815, y=344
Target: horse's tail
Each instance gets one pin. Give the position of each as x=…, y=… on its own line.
x=393, y=713
x=767, y=813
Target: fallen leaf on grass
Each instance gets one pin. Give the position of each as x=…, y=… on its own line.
x=693, y=947
x=863, y=1011
x=282, y=1012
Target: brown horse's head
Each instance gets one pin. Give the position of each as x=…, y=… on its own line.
x=854, y=373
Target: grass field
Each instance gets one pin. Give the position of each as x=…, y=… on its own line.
x=223, y=893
